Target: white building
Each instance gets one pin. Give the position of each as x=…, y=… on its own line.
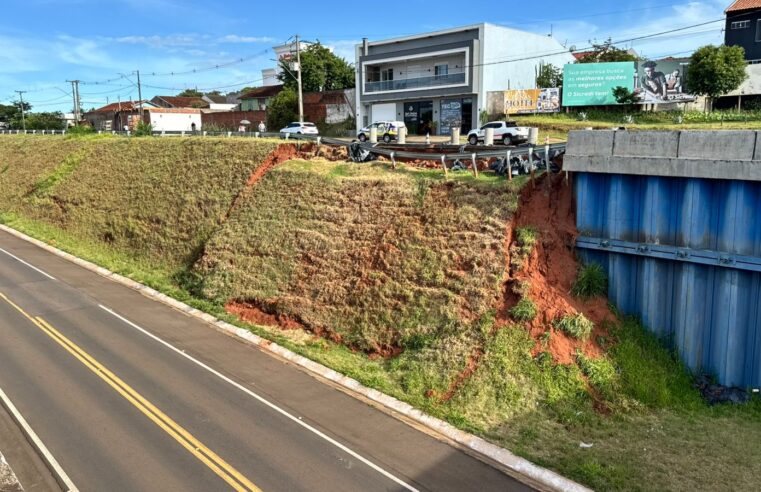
x=283, y=52
x=438, y=80
x=173, y=119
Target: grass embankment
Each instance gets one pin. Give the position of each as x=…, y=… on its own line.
x=386, y=261
x=558, y=125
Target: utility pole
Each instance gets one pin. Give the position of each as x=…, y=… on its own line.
x=301, y=94
x=75, y=95
x=21, y=98
x=139, y=94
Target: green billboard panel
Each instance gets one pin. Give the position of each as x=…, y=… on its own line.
x=592, y=84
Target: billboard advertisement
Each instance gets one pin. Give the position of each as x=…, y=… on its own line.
x=532, y=101
x=592, y=84
x=663, y=81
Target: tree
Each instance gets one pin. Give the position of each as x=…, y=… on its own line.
x=549, y=76
x=42, y=121
x=283, y=109
x=190, y=93
x=321, y=70
x=607, y=52
x=624, y=96
x=716, y=70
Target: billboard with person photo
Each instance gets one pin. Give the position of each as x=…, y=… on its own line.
x=663, y=81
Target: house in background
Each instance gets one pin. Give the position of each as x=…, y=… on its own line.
x=179, y=102
x=284, y=52
x=259, y=98
x=743, y=28
x=439, y=80
x=218, y=102
x=115, y=116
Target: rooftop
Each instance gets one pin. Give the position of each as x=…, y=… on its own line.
x=741, y=5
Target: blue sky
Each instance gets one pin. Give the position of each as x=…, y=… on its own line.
x=43, y=43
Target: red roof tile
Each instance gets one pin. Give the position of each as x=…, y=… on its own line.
x=260, y=92
x=741, y=5
x=184, y=102
x=120, y=106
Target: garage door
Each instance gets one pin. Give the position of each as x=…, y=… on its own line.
x=384, y=112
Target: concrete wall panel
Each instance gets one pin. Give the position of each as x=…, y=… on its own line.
x=721, y=145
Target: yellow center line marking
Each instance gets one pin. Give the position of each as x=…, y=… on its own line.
x=224, y=470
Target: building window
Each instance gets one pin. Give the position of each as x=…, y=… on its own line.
x=740, y=25
x=387, y=74
x=441, y=70
x=758, y=30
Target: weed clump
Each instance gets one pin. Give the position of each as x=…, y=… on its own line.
x=591, y=282
x=525, y=310
x=524, y=245
x=577, y=326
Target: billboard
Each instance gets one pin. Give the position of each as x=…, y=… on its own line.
x=592, y=84
x=532, y=101
x=663, y=81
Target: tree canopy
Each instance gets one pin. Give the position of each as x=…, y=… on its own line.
x=607, y=52
x=190, y=93
x=549, y=76
x=283, y=109
x=321, y=70
x=716, y=70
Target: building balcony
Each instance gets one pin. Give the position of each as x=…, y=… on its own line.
x=418, y=83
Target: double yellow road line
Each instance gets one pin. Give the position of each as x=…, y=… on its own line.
x=219, y=466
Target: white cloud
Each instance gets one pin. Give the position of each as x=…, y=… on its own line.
x=161, y=41
x=344, y=49
x=234, y=38
x=81, y=51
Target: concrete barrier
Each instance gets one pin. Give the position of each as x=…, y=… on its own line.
x=720, y=145
x=689, y=154
x=646, y=144
x=590, y=143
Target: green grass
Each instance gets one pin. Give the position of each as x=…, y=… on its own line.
x=524, y=310
x=435, y=294
x=558, y=125
x=591, y=282
x=575, y=325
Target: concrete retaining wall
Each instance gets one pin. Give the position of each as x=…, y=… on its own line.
x=689, y=154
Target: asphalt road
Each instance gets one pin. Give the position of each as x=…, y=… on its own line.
x=129, y=394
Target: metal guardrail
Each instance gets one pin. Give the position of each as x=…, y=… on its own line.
x=509, y=153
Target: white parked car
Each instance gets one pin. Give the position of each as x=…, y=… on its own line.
x=387, y=131
x=506, y=132
x=304, y=128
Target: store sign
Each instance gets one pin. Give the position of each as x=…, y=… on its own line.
x=532, y=101
x=592, y=84
x=451, y=116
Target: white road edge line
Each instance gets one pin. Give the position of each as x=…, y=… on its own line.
x=27, y=264
x=264, y=401
x=60, y=475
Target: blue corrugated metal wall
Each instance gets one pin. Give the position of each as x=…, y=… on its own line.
x=684, y=255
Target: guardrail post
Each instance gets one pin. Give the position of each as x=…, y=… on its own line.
x=475, y=164
x=373, y=135
x=547, y=160
x=444, y=165
x=229, y=134
x=393, y=161
x=205, y=133
x=508, y=156
x=531, y=165
x=182, y=134
x=401, y=135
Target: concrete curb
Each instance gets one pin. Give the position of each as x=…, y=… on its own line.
x=541, y=476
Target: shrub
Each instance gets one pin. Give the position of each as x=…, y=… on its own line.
x=577, y=326
x=525, y=310
x=80, y=130
x=592, y=281
x=143, y=130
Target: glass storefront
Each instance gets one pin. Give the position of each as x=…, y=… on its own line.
x=418, y=117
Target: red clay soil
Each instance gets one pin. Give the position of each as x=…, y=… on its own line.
x=251, y=313
x=551, y=270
